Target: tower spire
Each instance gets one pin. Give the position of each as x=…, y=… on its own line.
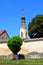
x=23, y=17
x=22, y=12
x=23, y=29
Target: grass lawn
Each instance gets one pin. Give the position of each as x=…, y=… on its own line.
x=21, y=62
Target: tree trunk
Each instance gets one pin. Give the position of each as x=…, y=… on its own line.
x=15, y=56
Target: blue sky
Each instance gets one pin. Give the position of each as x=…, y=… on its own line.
x=11, y=11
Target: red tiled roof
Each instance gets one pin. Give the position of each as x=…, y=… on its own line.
x=2, y=31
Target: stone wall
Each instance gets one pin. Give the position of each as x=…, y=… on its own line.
x=5, y=52
x=6, y=56
x=34, y=55
x=32, y=49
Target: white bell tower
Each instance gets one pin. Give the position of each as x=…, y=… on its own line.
x=23, y=29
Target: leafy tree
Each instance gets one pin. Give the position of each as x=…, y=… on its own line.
x=35, y=27
x=14, y=44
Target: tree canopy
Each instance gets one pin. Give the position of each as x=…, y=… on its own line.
x=35, y=27
x=15, y=43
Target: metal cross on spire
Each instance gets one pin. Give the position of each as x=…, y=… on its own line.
x=22, y=12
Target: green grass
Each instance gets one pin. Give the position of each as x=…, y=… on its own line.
x=21, y=62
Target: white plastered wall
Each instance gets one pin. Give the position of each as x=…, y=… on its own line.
x=24, y=32
x=34, y=46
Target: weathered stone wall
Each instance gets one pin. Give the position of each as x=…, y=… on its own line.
x=34, y=55
x=5, y=52
x=32, y=49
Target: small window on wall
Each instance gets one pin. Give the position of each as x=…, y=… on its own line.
x=21, y=34
x=2, y=37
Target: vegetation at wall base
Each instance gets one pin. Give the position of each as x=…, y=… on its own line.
x=22, y=62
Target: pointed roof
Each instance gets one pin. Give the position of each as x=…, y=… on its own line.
x=23, y=17
x=23, y=25
x=4, y=38
x=2, y=31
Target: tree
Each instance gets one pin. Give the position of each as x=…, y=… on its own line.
x=15, y=43
x=35, y=27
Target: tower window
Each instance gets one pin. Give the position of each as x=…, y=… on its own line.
x=26, y=34
x=21, y=34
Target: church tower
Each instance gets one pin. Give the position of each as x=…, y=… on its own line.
x=23, y=29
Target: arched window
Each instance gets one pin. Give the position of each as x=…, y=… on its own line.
x=21, y=34
x=26, y=34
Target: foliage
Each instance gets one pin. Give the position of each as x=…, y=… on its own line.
x=35, y=27
x=21, y=56
x=14, y=44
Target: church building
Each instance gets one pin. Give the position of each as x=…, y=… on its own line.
x=23, y=28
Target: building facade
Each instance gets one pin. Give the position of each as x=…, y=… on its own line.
x=3, y=36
